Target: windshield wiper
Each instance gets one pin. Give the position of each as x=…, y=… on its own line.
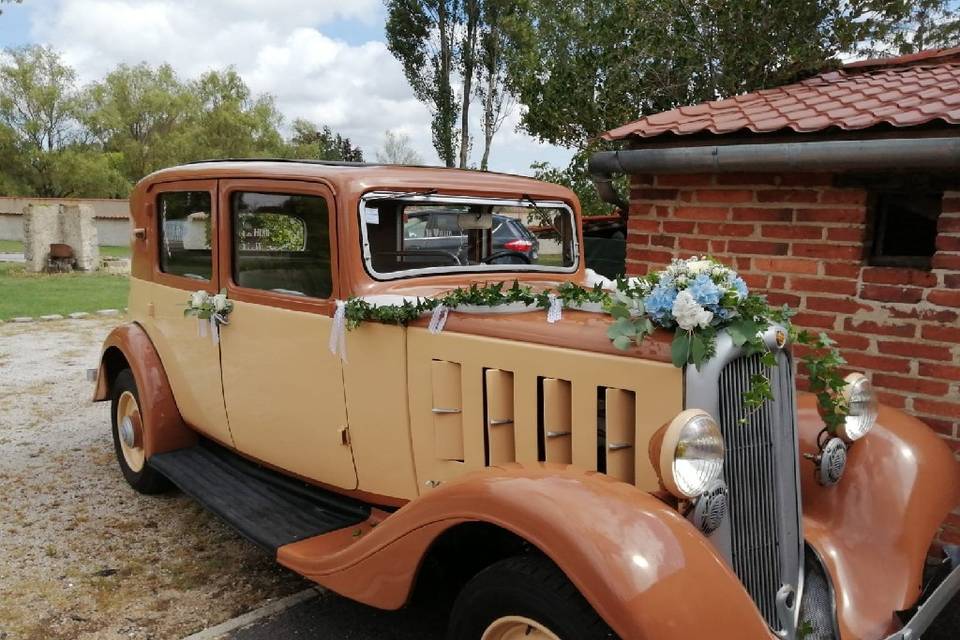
x=399, y=196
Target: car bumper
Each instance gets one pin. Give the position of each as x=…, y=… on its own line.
x=935, y=599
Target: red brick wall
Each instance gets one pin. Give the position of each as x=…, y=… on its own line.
x=800, y=239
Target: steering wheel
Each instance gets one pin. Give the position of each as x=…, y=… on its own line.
x=496, y=255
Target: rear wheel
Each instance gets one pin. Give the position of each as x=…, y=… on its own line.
x=127, y=423
x=524, y=598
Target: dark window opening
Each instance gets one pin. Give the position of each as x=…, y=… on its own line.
x=904, y=228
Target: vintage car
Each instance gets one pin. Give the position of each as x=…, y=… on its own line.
x=567, y=488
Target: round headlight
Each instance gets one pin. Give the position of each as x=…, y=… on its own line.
x=861, y=407
x=691, y=454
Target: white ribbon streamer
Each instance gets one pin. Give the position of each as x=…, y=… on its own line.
x=201, y=327
x=555, y=310
x=438, y=319
x=338, y=332
x=214, y=330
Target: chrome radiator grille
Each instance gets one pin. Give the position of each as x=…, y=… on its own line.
x=760, y=470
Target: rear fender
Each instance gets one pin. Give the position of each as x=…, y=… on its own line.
x=873, y=529
x=645, y=569
x=129, y=346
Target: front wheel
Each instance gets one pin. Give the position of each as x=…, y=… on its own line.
x=524, y=598
x=127, y=425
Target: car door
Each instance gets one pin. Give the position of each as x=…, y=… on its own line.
x=283, y=387
x=184, y=251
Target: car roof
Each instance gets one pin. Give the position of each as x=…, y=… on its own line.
x=358, y=177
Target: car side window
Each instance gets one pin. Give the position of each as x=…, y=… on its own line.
x=185, y=234
x=281, y=243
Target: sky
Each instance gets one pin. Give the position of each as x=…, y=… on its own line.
x=323, y=60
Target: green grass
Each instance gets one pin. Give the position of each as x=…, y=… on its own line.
x=550, y=260
x=15, y=246
x=39, y=294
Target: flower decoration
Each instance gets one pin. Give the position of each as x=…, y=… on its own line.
x=697, y=298
x=204, y=306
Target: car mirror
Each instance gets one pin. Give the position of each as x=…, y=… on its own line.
x=475, y=220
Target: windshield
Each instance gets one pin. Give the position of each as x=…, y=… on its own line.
x=407, y=234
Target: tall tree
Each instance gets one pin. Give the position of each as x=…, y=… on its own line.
x=908, y=26
x=422, y=35
x=468, y=68
x=38, y=98
x=46, y=153
x=583, y=66
x=321, y=143
x=398, y=150
x=141, y=113
x=492, y=75
x=231, y=122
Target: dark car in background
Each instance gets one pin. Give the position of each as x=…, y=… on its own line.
x=440, y=231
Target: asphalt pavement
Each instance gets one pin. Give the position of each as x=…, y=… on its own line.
x=332, y=617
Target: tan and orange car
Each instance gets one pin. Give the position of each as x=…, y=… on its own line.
x=560, y=481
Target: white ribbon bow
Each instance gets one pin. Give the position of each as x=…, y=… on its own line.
x=438, y=319
x=555, y=310
x=338, y=332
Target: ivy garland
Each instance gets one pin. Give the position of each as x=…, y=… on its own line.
x=716, y=300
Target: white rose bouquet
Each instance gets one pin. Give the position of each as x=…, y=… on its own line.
x=203, y=306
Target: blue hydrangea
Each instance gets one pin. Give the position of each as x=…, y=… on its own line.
x=722, y=314
x=659, y=304
x=704, y=291
x=739, y=286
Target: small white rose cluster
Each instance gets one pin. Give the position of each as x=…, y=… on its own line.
x=203, y=305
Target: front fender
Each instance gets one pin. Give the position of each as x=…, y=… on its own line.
x=645, y=569
x=129, y=345
x=873, y=529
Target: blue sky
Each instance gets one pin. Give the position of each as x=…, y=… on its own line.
x=324, y=60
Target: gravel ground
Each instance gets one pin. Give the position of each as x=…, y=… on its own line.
x=81, y=554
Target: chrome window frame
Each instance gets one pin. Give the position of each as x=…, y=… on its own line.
x=462, y=269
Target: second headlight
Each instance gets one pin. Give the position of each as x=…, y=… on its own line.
x=861, y=407
x=691, y=454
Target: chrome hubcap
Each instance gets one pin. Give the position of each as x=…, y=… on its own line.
x=126, y=432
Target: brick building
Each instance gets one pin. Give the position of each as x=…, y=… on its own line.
x=838, y=195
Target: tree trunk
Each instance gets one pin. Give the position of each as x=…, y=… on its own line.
x=491, y=64
x=468, y=53
x=444, y=90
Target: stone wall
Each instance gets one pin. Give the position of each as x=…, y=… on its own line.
x=802, y=241
x=111, y=217
x=47, y=224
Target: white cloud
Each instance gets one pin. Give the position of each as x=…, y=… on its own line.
x=278, y=47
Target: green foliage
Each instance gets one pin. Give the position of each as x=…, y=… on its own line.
x=321, y=143
x=58, y=140
x=422, y=35
x=631, y=325
x=41, y=139
x=576, y=178
x=823, y=363
x=144, y=114
x=908, y=26
x=583, y=67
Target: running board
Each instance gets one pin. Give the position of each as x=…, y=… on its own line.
x=267, y=508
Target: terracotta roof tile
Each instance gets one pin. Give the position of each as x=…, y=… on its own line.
x=902, y=92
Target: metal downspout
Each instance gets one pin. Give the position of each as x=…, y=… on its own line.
x=829, y=155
